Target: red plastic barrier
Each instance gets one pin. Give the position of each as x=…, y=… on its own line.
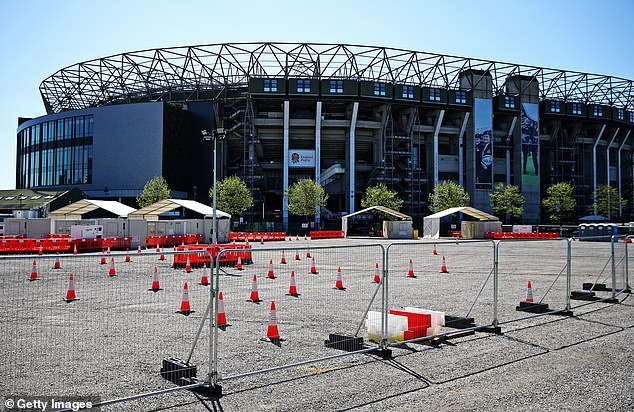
x=417, y=323
x=199, y=254
x=326, y=234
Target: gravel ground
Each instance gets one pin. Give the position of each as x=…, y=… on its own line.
x=110, y=343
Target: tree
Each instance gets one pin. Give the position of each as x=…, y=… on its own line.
x=380, y=195
x=233, y=196
x=448, y=194
x=602, y=194
x=155, y=189
x=559, y=202
x=304, y=196
x=507, y=201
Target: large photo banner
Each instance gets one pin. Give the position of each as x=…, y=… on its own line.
x=483, y=140
x=530, y=144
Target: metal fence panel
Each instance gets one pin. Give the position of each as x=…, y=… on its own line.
x=109, y=342
x=306, y=321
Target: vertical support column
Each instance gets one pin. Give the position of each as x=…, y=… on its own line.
x=318, y=158
x=352, y=161
x=612, y=240
x=441, y=114
x=594, y=168
x=496, y=245
x=461, y=149
x=620, y=171
x=509, y=138
x=607, y=164
x=285, y=167
x=568, y=273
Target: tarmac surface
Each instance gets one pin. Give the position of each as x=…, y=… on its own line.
x=110, y=343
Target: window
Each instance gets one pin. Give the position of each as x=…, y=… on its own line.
x=597, y=110
x=379, y=89
x=509, y=102
x=303, y=86
x=631, y=117
x=576, y=108
x=270, y=85
x=336, y=86
x=555, y=107
x=408, y=92
x=434, y=95
x=461, y=97
x=620, y=114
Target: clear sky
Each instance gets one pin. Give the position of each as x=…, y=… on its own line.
x=37, y=38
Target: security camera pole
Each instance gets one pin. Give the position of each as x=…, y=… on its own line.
x=218, y=134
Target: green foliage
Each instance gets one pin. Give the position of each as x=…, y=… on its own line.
x=602, y=201
x=304, y=196
x=507, y=201
x=560, y=202
x=155, y=189
x=233, y=196
x=448, y=194
x=380, y=195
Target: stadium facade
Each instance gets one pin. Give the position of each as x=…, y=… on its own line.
x=345, y=115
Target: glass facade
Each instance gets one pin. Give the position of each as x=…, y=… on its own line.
x=56, y=152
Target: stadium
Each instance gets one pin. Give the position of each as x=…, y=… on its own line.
x=346, y=116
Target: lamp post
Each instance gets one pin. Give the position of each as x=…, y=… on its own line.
x=215, y=135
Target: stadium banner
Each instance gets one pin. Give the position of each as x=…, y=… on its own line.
x=301, y=158
x=530, y=144
x=483, y=141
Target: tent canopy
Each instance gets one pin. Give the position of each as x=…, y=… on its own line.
x=471, y=211
x=153, y=211
x=81, y=207
x=431, y=223
x=382, y=209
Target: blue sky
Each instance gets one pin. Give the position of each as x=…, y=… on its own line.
x=40, y=37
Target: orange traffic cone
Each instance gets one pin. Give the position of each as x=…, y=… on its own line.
x=185, y=308
x=34, y=272
x=262, y=240
x=255, y=296
x=70, y=294
x=410, y=273
x=270, y=275
x=57, y=264
x=156, y=285
x=313, y=268
x=272, y=332
x=40, y=250
x=222, y=317
x=443, y=268
x=377, y=278
x=297, y=256
x=158, y=248
x=239, y=265
x=138, y=249
x=204, y=280
x=290, y=238
x=162, y=257
x=292, y=290
x=305, y=239
x=529, y=293
x=296, y=237
x=127, y=255
x=103, y=258
x=308, y=254
x=108, y=251
x=435, y=252
x=188, y=265
x=112, y=271
x=339, y=284
x=74, y=249
x=283, y=261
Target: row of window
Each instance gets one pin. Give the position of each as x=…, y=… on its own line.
x=58, y=152
x=597, y=110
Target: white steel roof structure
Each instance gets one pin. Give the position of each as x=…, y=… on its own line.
x=153, y=211
x=78, y=209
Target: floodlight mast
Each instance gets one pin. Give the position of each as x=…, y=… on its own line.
x=215, y=135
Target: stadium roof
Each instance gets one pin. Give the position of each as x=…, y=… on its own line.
x=154, y=74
